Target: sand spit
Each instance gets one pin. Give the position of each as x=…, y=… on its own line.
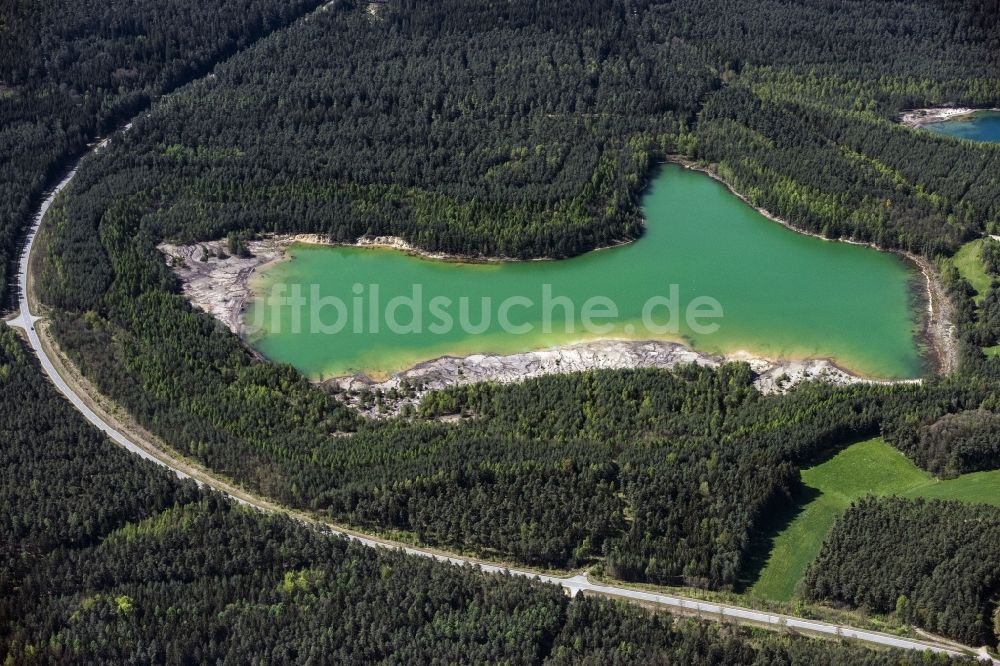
x=219, y=284
x=918, y=117
x=409, y=387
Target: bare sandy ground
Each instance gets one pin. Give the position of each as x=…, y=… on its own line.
x=222, y=287
x=918, y=117
x=409, y=387
x=221, y=284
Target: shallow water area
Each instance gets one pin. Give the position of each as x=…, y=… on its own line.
x=978, y=126
x=782, y=295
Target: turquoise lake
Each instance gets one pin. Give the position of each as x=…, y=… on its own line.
x=978, y=126
x=781, y=295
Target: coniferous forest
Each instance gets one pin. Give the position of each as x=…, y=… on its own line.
x=933, y=562
x=518, y=129
x=108, y=559
x=72, y=71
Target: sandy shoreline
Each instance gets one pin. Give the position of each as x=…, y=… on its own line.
x=937, y=332
x=222, y=286
x=409, y=387
x=919, y=117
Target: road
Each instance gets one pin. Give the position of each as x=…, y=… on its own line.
x=27, y=320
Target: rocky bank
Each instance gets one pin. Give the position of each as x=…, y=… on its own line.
x=220, y=284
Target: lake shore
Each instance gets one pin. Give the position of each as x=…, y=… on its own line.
x=409, y=387
x=936, y=332
x=222, y=285
x=918, y=117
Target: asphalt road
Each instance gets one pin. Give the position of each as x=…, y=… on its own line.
x=574, y=585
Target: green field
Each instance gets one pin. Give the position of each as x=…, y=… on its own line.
x=870, y=467
x=970, y=265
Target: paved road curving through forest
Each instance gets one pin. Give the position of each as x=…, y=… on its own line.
x=27, y=320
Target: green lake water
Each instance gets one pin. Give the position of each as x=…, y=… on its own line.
x=978, y=126
x=781, y=294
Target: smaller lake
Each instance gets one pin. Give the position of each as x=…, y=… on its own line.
x=710, y=272
x=978, y=126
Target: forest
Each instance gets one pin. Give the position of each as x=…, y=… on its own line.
x=519, y=129
x=568, y=113
x=805, y=128
x=108, y=559
x=72, y=71
x=956, y=443
x=931, y=562
x=547, y=471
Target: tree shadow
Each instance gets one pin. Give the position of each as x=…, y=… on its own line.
x=780, y=517
x=782, y=512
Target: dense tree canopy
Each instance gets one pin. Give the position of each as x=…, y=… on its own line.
x=521, y=129
x=72, y=70
x=108, y=559
x=479, y=145
x=932, y=562
x=954, y=444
